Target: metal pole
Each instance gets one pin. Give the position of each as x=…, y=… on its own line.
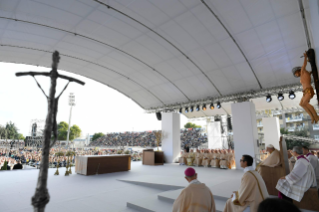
x=69, y=126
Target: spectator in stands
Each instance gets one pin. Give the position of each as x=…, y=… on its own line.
x=301, y=178
x=18, y=165
x=277, y=205
x=196, y=197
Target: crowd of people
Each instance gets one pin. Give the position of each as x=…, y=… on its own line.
x=218, y=158
x=32, y=156
x=191, y=137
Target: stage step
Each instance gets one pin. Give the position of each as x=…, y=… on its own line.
x=163, y=187
x=150, y=204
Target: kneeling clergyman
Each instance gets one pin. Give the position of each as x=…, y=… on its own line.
x=301, y=178
x=196, y=197
x=251, y=192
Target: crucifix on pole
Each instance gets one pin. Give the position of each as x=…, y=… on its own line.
x=41, y=196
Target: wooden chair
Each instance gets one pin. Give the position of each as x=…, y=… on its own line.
x=271, y=175
x=310, y=200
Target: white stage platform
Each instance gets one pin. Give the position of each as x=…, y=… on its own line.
x=144, y=188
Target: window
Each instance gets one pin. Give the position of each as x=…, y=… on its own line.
x=317, y=137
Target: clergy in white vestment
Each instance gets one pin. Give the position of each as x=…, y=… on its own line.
x=301, y=178
x=272, y=160
x=196, y=197
x=313, y=160
x=251, y=192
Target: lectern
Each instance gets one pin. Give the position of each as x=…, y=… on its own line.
x=152, y=158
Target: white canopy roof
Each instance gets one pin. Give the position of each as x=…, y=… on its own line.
x=160, y=52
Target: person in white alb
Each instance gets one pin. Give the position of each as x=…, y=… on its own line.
x=313, y=160
x=299, y=180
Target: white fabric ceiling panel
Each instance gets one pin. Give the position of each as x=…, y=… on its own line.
x=203, y=59
x=9, y=4
x=195, y=29
x=209, y=21
x=145, y=98
x=233, y=14
x=218, y=54
x=153, y=44
x=258, y=12
x=292, y=25
x=284, y=7
x=251, y=45
x=232, y=51
x=113, y=24
x=169, y=7
x=166, y=92
x=140, y=51
x=48, y=12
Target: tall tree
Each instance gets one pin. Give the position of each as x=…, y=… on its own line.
x=12, y=130
x=97, y=135
x=75, y=132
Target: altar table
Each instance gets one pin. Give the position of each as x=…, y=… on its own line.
x=101, y=164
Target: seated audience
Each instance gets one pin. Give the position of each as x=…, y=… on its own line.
x=272, y=160
x=251, y=192
x=301, y=178
x=18, y=165
x=277, y=205
x=196, y=197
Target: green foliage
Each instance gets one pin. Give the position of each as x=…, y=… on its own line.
x=59, y=154
x=295, y=142
x=4, y=167
x=70, y=153
x=97, y=135
x=75, y=131
x=21, y=137
x=11, y=130
x=191, y=125
x=127, y=152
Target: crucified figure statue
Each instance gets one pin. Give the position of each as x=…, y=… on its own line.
x=308, y=92
x=41, y=196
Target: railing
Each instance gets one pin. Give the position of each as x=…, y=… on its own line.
x=296, y=118
x=260, y=125
x=292, y=129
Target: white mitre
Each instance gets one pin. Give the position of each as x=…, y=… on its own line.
x=270, y=146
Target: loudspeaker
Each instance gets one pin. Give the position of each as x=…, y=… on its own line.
x=229, y=126
x=159, y=116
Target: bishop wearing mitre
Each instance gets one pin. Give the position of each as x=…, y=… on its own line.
x=272, y=160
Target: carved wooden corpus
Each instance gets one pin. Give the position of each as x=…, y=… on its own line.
x=41, y=196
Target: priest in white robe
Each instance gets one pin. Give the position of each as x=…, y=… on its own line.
x=251, y=192
x=301, y=178
x=272, y=160
x=313, y=160
x=196, y=197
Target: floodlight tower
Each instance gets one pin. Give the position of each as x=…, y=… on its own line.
x=71, y=103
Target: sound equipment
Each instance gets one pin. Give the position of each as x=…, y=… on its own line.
x=159, y=116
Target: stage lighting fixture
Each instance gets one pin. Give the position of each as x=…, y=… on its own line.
x=191, y=109
x=292, y=95
x=186, y=109
x=268, y=98
x=180, y=110
x=204, y=107
x=218, y=105
x=212, y=106
x=197, y=108
x=280, y=97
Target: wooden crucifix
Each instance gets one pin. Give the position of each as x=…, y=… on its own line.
x=305, y=80
x=41, y=196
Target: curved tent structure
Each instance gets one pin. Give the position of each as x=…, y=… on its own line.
x=161, y=53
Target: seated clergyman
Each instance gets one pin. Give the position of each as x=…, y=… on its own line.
x=272, y=160
x=313, y=160
x=301, y=178
x=196, y=197
x=251, y=192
